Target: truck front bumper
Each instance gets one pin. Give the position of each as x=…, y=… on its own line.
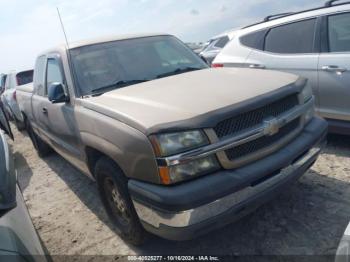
x=196, y=207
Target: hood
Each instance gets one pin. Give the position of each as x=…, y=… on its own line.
x=185, y=97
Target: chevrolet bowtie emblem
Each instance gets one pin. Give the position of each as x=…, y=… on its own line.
x=271, y=127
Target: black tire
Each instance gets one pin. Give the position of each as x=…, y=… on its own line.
x=113, y=189
x=20, y=125
x=9, y=116
x=41, y=147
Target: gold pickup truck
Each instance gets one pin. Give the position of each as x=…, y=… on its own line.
x=176, y=148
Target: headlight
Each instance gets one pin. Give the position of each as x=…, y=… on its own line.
x=174, y=143
x=306, y=93
x=181, y=172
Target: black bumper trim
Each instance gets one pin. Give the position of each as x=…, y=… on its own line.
x=231, y=215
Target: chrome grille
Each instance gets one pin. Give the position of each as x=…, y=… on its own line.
x=255, y=146
x=253, y=118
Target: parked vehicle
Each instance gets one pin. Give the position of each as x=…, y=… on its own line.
x=2, y=83
x=18, y=238
x=215, y=45
x=343, y=251
x=175, y=149
x=15, y=80
x=2, y=87
x=196, y=47
x=314, y=44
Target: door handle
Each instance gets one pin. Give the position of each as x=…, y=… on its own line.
x=256, y=66
x=44, y=110
x=334, y=68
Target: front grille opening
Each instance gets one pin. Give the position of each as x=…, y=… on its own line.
x=250, y=119
x=243, y=150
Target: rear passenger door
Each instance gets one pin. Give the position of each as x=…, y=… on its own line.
x=334, y=67
x=40, y=121
x=292, y=47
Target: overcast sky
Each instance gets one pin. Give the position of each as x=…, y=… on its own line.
x=29, y=27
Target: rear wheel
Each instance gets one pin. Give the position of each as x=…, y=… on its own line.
x=41, y=147
x=115, y=197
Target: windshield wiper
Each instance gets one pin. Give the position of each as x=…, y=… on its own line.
x=179, y=71
x=118, y=84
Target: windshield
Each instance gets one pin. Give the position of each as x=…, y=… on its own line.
x=103, y=67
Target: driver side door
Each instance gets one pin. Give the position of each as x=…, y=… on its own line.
x=62, y=125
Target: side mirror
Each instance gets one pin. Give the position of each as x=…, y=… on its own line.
x=56, y=93
x=7, y=177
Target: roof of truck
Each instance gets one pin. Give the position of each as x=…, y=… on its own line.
x=97, y=40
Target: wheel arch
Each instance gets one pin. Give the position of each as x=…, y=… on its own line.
x=96, y=148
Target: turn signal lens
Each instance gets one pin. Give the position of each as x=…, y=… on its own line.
x=164, y=175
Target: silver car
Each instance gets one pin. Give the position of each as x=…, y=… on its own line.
x=9, y=96
x=215, y=45
x=19, y=240
x=2, y=83
x=314, y=44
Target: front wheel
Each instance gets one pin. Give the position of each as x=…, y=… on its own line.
x=115, y=197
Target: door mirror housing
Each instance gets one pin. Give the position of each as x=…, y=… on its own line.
x=56, y=93
x=7, y=177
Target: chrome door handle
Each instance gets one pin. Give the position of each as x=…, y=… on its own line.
x=333, y=68
x=256, y=66
x=44, y=110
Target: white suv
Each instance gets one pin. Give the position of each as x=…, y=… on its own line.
x=313, y=43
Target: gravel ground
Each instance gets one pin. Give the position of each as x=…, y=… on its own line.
x=308, y=219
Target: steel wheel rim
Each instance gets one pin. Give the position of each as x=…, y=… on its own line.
x=116, y=202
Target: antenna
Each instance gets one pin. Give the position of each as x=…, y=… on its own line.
x=64, y=31
x=69, y=57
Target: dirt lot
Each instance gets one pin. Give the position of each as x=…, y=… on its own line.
x=310, y=218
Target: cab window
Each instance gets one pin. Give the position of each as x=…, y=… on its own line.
x=39, y=73
x=53, y=72
x=339, y=33
x=286, y=39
